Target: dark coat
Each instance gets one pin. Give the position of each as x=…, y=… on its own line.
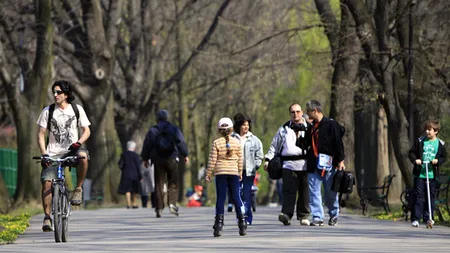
x=416, y=152
x=131, y=172
x=330, y=143
x=149, y=148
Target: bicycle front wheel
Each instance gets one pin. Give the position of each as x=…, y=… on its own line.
x=57, y=212
x=65, y=217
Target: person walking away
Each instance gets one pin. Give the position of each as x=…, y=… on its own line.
x=163, y=145
x=225, y=159
x=252, y=151
x=131, y=174
x=147, y=184
x=427, y=148
x=326, y=158
x=291, y=141
x=62, y=120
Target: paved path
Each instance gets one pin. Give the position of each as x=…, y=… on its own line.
x=122, y=230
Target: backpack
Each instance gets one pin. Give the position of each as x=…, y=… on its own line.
x=164, y=143
x=343, y=182
x=51, y=109
x=341, y=127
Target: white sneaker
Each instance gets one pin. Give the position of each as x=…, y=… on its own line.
x=415, y=224
x=304, y=222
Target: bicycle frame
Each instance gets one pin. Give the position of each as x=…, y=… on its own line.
x=60, y=206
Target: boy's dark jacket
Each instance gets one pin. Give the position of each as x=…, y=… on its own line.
x=330, y=143
x=416, y=152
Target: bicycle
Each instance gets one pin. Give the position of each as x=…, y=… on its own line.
x=60, y=199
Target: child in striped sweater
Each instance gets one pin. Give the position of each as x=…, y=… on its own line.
x=225, y=158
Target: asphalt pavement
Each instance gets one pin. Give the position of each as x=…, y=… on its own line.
x=138, y=230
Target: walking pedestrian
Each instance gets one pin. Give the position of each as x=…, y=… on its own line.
x=292, y=142
x=225, y=159
x=327, y=157
x=163, y=145
x=131, y=176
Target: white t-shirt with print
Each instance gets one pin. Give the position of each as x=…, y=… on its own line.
x=63, y=128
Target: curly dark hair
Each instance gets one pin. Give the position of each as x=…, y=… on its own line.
x=239, y=120
x=66, y=87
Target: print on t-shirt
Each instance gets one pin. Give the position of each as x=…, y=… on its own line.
x=60, y=129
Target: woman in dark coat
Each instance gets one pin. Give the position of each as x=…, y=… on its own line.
x=131, y=176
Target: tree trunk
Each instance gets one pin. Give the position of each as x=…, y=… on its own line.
x=373, y=40
x=27, y=106
x=343, y=85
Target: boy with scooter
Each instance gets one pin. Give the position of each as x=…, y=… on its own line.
x=427, y=154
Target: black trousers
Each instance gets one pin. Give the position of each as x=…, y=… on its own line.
x=295, y=182
x=166, y=167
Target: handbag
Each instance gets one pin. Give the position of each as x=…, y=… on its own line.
x=343, y=182
x=275, y=167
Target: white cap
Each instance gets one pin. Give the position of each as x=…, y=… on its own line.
x=225, y=123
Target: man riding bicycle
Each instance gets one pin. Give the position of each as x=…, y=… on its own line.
x=65, y=119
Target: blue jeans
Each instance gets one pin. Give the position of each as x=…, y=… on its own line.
x=315, y=181
x=246, y=188
x=223, y=182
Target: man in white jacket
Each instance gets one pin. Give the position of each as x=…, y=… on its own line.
x=292, y=141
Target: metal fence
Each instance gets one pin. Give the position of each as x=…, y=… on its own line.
x=8, y=169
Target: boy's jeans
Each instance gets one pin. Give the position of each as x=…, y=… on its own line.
x=315, y=181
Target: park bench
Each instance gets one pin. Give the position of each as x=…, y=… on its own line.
x=376, y=195
x=440, y=201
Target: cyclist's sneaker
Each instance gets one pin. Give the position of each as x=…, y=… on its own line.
x=77, y=196
x=415, y=224
x=284, y=218
x=304, y=222
x=333, y=221
x=173, y=209
x=316, y=223
x=47, y=225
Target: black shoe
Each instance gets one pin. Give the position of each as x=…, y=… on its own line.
x=284, y=218
x=47, y=225
x=158, y=213
x=230, y=208
x=333, y=221
x=135, y=207
x=316, y=223
x=218, y=225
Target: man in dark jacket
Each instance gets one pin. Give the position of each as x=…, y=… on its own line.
x=326, y=158
x=164, y=144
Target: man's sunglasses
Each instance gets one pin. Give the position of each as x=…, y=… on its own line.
x=59, y=92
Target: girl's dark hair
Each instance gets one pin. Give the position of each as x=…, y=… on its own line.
x=66, y=87
x=226, y=133
x=240, y=121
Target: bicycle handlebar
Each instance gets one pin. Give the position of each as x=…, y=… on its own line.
x=65, y=159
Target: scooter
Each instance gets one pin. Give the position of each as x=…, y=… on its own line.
x=430, y=221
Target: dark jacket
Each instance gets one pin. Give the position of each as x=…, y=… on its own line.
x=416, y=152
x=330, y=143
x=149, y=147
x=131, y=169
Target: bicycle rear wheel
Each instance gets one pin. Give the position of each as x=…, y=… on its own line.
x=65, y=217
x=57, y=212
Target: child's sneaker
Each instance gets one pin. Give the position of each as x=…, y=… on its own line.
x=415, y=224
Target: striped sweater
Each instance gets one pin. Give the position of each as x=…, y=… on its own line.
x=220, y=163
